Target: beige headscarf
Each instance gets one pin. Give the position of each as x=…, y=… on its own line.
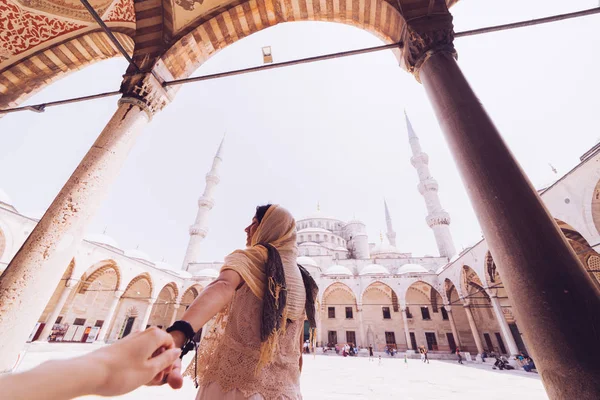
x=277, y=228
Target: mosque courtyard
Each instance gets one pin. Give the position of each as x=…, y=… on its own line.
x=335, y=377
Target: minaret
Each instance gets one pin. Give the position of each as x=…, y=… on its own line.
x=199, y=230
x=391, y=235
x=437, y=219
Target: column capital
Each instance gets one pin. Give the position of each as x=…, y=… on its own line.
x=424, y=36
x=146, y=91
x=71, y=283
x=176, y=306
x=118, y=293
x=151, y=300
x=448, y=308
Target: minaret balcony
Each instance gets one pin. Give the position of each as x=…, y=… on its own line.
x=206, y=202
x=438, y=218
x=419, y=159
x=197, y=230
x=212, y=178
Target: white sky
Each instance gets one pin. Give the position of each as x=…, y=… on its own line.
x=331, y=132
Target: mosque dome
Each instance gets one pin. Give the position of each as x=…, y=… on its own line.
x=164, y=266
x=102, y=238
x=183, y=274
x=384, y=248
x=309, y=244
x=341, y=249
x=355, y=221
x=207, y=273
x=338, y=270
x=411, y=269
x=311, y=230
x=374, y=269
x=135, y=253
x=5, y=198
x=307, y=262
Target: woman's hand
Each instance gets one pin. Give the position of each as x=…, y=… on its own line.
x=135, y=360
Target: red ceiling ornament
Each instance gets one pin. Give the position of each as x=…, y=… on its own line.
x=123, y=11
x=20, y=30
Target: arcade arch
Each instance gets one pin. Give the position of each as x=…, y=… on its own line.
x=465, y=340
x=188, y=297
x=135, y=305
x=340, y=316
x=163, y=311
x=382, y=317
x=427, y=320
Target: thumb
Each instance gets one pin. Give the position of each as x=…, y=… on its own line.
x=165, y=359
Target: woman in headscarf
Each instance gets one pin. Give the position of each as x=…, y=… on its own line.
x=253, y=348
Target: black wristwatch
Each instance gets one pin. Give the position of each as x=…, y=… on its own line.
x=185, y=328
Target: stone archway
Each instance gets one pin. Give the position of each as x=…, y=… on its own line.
x=427, y=319
x=590, y=258
x=382, y=316
x=164, y=307
x=339, y=316
x=138, y=295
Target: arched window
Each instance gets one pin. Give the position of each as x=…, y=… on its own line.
x=310, y=238
x=318, y=237
x=301, y=238
x=325, y=238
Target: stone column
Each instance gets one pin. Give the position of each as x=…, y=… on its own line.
x=406, y=331
x=510, y=342
x=553, y=297
x=108, y=321
x=174, y=316
x=319, y=327
x=474, y=329
x=29, y=280
x=147, y=314
x=453, y=325
x=361, y=325
x=69, y=285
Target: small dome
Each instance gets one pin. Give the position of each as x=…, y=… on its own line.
x=411, y=268
x=102, y=238
x=164, y=265
x=306, y=262
x=341, y=249
x=183, y=274
x=135, y=253
x=338, y=270
x=374, y=269
x=207, y=273
x=309, y=244
x=5, y=198
x=355, y=221
x=310, y=230
x=384, y=248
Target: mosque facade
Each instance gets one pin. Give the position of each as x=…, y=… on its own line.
x=370, y=293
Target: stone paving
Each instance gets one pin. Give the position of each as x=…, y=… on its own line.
x=336, y=378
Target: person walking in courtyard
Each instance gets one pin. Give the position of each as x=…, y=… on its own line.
x=261, y=298
x=370, y=352
x=459, y=355
x=422, y=352
x=425, y=351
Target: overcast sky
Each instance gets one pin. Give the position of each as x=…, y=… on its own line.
x=331, y=132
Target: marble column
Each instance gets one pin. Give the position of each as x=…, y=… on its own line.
x=29, y=280
x=319, y=328
x=406, y=331
x=506, y=333
x=453, y=325
x=174, y=316
x=51, y=320
x=104, y=333
x=147, y=314
x=554, y=298
x=474, y=329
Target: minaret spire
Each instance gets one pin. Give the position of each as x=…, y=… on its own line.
x=437, y=218
x=199, y=229
x=391, y=235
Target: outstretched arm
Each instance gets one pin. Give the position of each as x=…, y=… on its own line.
x=110, y=371
x=208, y=303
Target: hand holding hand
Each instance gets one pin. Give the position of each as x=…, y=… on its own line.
x=134, y=361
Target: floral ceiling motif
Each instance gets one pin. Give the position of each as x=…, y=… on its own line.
x=67, y=8
x=122, y=11
x=21, y=30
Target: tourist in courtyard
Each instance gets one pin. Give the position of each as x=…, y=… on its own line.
x=426, y=358
x=306, y=347
x=109, y=371
x=459, y=355
x=422, y=352
x=529, y=364
x=370, y=352
x=260, y=299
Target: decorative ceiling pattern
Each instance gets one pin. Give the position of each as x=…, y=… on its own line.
x=21, y=30
x=122, y=11
x=66, y=8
